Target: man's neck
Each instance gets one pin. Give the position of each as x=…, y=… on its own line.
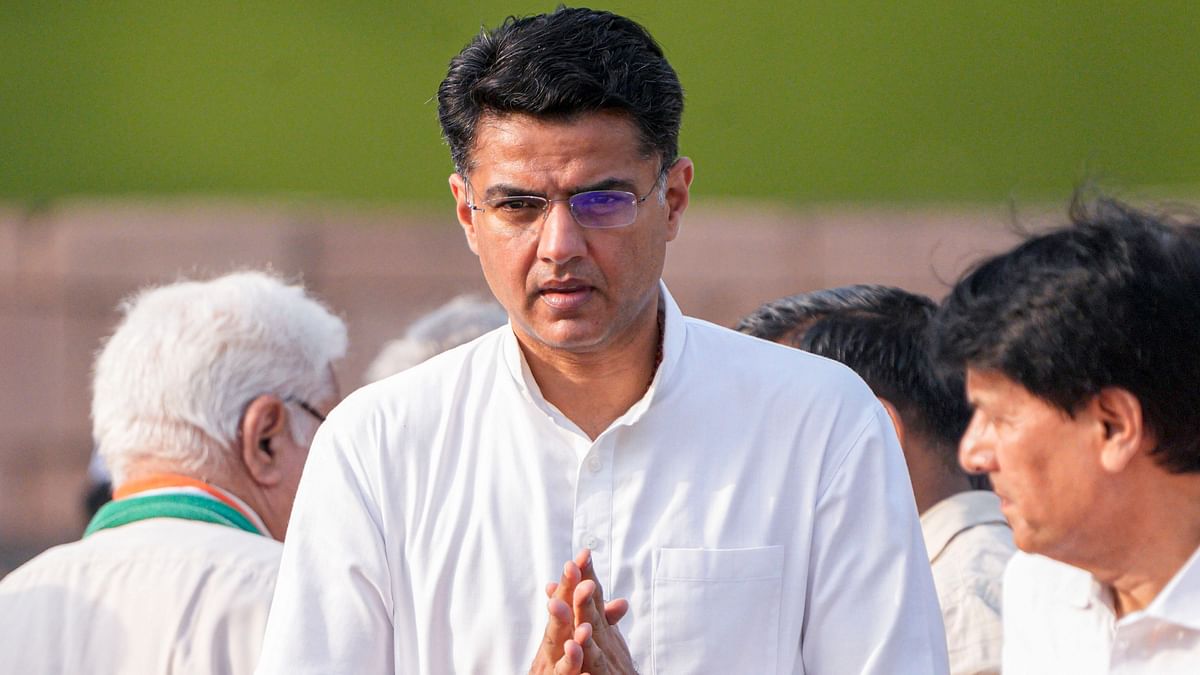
x=1157, y=540
x=595, y=388
x=227, y=482
x=932, y=479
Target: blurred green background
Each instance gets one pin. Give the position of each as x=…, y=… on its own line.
x=949, y=100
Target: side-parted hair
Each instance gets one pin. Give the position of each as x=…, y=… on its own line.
x=1112, y=300
x=457, y=322
x=172, y=382
x=881, y=333
x=558, y=66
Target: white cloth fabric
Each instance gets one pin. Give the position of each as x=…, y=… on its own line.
x=753, y=507
x=162, y=595
x=1059, y=619
x=969, y=544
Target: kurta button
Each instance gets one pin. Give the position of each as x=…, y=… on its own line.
x=592, y=542
x=594, y=464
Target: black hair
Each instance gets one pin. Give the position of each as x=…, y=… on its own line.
x=881, y=333
x=557, y=66
x=1112, y=300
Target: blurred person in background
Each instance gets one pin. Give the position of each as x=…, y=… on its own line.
x=883, y=334
x=747, y=504
x=457, y=322
x=204, y=402
x=1080, y=350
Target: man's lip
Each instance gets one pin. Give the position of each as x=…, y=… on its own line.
x=566, y=298
x=563, y=286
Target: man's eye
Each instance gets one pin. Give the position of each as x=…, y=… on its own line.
x=518, y=204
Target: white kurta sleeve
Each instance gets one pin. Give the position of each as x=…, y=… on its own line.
x=871, y=605
x=332, y=610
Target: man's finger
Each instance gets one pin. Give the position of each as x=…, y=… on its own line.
x=594, y=658
x=571, y=662
x=588, y=571
x=551, y=588
x=564, y=592
x=584, y=605
x=559, y=628
x=571, y=576
x=616, y=610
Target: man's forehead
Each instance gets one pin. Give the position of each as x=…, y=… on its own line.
x=985, y=383
x=524, y=155
x=552, y=139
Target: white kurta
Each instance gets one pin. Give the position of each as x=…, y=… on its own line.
x=156, y=596
x=1059, y=619
x=969, y=545
x=753, y=507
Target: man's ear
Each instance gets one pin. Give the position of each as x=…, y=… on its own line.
x=263, y=425
x=1118, y=415
x=679, y=183
x=466, y=215
x=896, y=421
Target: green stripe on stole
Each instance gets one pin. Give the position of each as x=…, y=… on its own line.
x=169, y=505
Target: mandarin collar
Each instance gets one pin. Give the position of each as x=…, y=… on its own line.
x=674, y=330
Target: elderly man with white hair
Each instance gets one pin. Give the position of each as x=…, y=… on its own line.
x=205, y=401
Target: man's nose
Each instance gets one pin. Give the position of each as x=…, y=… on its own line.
x=562, y=239
x=976, y=451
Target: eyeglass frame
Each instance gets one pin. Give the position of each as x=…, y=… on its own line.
x=545, y=210
x=265, y=443
x=306, y=407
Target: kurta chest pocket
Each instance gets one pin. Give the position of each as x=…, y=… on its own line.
x=716, y=610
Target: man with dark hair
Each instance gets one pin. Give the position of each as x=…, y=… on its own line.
x=749, y=523
x=1081, y=359
x=882, y=333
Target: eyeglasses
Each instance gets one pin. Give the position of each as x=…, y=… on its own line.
x=595, y=209
x=304, y=405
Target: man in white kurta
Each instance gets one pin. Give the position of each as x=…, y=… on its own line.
x=745, y=504
x=752, y=506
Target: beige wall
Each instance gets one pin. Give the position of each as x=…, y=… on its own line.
x=63, y=270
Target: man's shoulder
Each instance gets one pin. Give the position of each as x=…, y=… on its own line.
x=968, y=526
x=168, y=545
x=43, y=563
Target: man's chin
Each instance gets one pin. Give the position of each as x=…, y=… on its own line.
x=568, y=335
x=1026, y=539
x=573, y=343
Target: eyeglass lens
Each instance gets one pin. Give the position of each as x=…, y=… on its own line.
x=604, y=208
x=596, y=209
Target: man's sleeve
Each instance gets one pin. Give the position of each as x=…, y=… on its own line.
x=332, y=610
x=871, y=604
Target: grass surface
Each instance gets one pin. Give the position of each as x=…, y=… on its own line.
x=798, y=102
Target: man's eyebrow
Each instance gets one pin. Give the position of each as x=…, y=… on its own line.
x=608, y=184
x=510, y=190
